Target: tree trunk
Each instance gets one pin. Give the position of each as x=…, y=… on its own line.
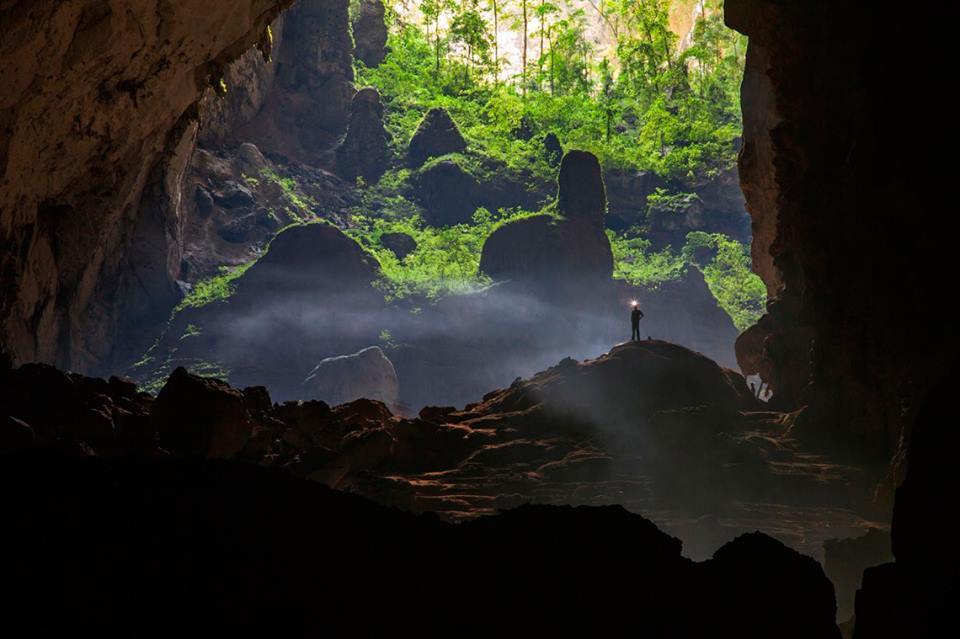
x=523, y=72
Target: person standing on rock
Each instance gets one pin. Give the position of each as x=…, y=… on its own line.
x=635, y=316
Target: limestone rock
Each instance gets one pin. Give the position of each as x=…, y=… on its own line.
x=201, y=416
x=370, y=33
x=364, y=150
x=449, y=194
x=93, y=111
x=401, y=244
x=569, y=252
x=581, y=192
x=436, y=135
x=367, y=374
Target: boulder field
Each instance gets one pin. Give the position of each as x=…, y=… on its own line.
x=650, y=425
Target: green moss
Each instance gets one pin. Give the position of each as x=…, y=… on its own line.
x=214, y=289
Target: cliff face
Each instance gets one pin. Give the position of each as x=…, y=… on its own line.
x=97, y=121
x=855, y=328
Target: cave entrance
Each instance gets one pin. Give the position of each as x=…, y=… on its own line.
x=459, y=135
x=480, y=215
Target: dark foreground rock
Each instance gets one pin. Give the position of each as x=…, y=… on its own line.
x=137, y=544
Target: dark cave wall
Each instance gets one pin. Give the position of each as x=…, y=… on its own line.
x=840, y=135
x=97, y=119
x=103, y=105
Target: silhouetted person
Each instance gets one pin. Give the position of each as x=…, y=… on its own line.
x=635, y=316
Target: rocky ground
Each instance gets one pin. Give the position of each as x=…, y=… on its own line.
x=651, y=425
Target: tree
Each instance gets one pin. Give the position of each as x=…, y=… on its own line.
x=470, y=30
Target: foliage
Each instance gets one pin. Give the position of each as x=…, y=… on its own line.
x=219, y=287
x=739, y=291
x=446, y=260
x=725, y=264
x=652, y=107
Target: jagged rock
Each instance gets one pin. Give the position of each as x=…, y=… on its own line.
x=365, y=374
x=370, y=33
x=568, y=252
x=846, y=559
x=363, y=151
x=233, y=195
x=307, y=107
x=449, y=194
x=436, y=135
x=552, y=149
x=251, y=159
x=238, y=229
x=267, y=219
x=204, y=201
x=916, y=594
x=123, y=131
x=628, y=192
x=249, y=80
x=634, y=381
x=401, y=244
x=201, y=416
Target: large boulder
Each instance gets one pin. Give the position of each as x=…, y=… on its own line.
x=363, y=152
x=400, y=244
x=581, y=192
x=366, y=374
x=314, y=259
x=370, y=33
x=449, y=194
x=565, y=251
x=436, y=135
x=201, y=416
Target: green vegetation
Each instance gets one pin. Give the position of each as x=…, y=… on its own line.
x=645, y=102
x=725, y=264
x=446, y=260
x=214, y=289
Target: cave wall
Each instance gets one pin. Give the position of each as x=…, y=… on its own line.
x=97, y=118
x=842, y=125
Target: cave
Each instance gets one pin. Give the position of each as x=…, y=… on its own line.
x=286, y=336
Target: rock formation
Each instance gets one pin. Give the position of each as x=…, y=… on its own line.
x=562, y=252
x=828, y=223
x=126, y=555
x=616, y=428
x=366, y=374
x=370, y=33
x=436, y=135
x=308, y=107
x=310, y=296
x=400, y=244
x=448, y=193
x=364, y=150
x=98, y=120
